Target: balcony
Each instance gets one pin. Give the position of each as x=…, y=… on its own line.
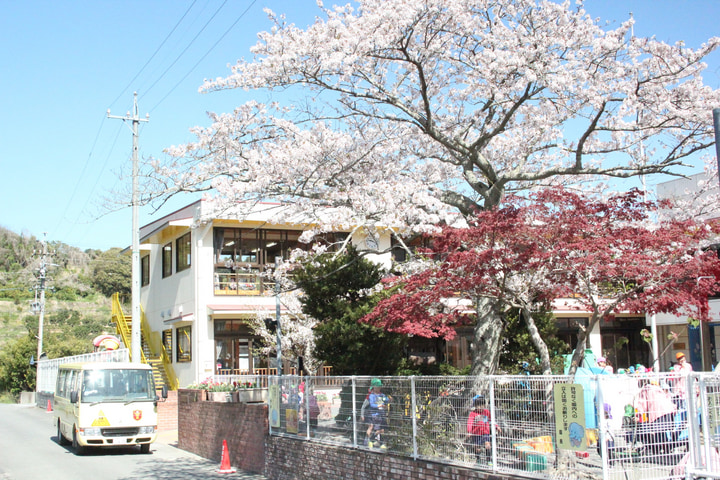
x=242, y=283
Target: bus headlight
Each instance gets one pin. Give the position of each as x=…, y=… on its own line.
x=146, y=430
x=91, y=432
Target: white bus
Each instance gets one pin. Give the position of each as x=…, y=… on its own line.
x=106, y=405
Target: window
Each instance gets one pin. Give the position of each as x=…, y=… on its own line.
x=167, y=260
x=234, y=342
x=400, y=249
x=167, y=341
x=61, y=389
x=242, y=256
x=183, y=342
x=145, y=270
x=182, y=261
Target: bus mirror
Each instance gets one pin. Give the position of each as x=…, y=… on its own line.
x=73, y=396
x=164, y=391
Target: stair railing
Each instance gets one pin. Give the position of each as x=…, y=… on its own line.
x=121, y=325
x=157, y=348
x=152, y=340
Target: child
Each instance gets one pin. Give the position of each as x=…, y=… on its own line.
x=314, y=410
x=379, y=404
x=478, y=426
x=603, y=364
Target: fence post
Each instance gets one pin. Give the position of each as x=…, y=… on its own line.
x=309, y=387
x=493, y=423
x=354, y=414
x=414, y=416
x=602, y=427
x=694, y=424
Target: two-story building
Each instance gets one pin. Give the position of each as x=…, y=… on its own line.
x=203, y=277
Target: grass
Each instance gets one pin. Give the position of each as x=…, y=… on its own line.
x=6, y=397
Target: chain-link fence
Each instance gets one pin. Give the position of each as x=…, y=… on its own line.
x=642, y=426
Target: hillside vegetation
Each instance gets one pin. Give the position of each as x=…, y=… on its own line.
x=77, y=304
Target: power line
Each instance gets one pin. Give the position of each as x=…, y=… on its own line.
x=204, y=56
x=187, y=47
x=61, y=219
x=167, y=37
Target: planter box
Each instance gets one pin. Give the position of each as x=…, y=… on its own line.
x=251, y=395
x=220, y=396
x=248, y=395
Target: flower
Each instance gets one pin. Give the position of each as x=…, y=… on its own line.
x=212, y=386
x=244, y=385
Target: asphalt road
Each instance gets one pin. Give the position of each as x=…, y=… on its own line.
x=29, y=451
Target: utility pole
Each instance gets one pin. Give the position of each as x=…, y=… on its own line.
x=716, y=128
x=135, y=355
x=278, y=330
x=39, y=307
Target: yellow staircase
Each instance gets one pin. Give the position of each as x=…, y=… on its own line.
x=153, y=351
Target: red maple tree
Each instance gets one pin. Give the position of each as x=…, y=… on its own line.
x=558, y=248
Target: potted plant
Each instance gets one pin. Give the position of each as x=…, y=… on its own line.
x=221, y=392
x=202, y=388
x=249, y=392
x=230, y=391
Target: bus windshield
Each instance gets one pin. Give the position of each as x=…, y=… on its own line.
x=117, y=385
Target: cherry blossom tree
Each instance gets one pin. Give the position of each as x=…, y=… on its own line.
x=297, y=337
x=598, y=256
x=406, y=114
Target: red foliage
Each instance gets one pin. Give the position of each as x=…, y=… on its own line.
x=606, y=256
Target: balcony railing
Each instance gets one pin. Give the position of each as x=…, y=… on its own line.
x=231, y=283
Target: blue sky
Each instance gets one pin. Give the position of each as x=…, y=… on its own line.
x=65, y=63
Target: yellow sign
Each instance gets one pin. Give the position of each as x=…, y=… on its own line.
x=291, y=420
x=101, y=420
x=569, y=416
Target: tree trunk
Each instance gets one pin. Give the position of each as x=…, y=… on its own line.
x=488, y=333
x=537, y=341
x=581, y=345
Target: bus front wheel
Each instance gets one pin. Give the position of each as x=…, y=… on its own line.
x=145, y=448
x=79, y=449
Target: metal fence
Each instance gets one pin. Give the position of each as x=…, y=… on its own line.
x=704, y=428
x=634, y=426
x=47, y=369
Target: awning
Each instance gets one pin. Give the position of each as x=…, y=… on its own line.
x=243, y=309
x=188, y=317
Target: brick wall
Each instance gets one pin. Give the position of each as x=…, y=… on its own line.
x=297, y=459
x=204, y=425
x=168, y=412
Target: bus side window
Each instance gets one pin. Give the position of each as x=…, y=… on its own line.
x=73, y=382
x=62, y=377
x=67, y=385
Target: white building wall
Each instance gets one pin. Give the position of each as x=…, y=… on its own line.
x=185, y=298
x=203, y=248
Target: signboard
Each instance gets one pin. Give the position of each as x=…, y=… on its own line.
x=274, y=405
x=713, y=403
x=291, y=420
x=569, y=416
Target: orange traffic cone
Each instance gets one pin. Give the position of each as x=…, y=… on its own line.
x=49, y=407
x=225, y=460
